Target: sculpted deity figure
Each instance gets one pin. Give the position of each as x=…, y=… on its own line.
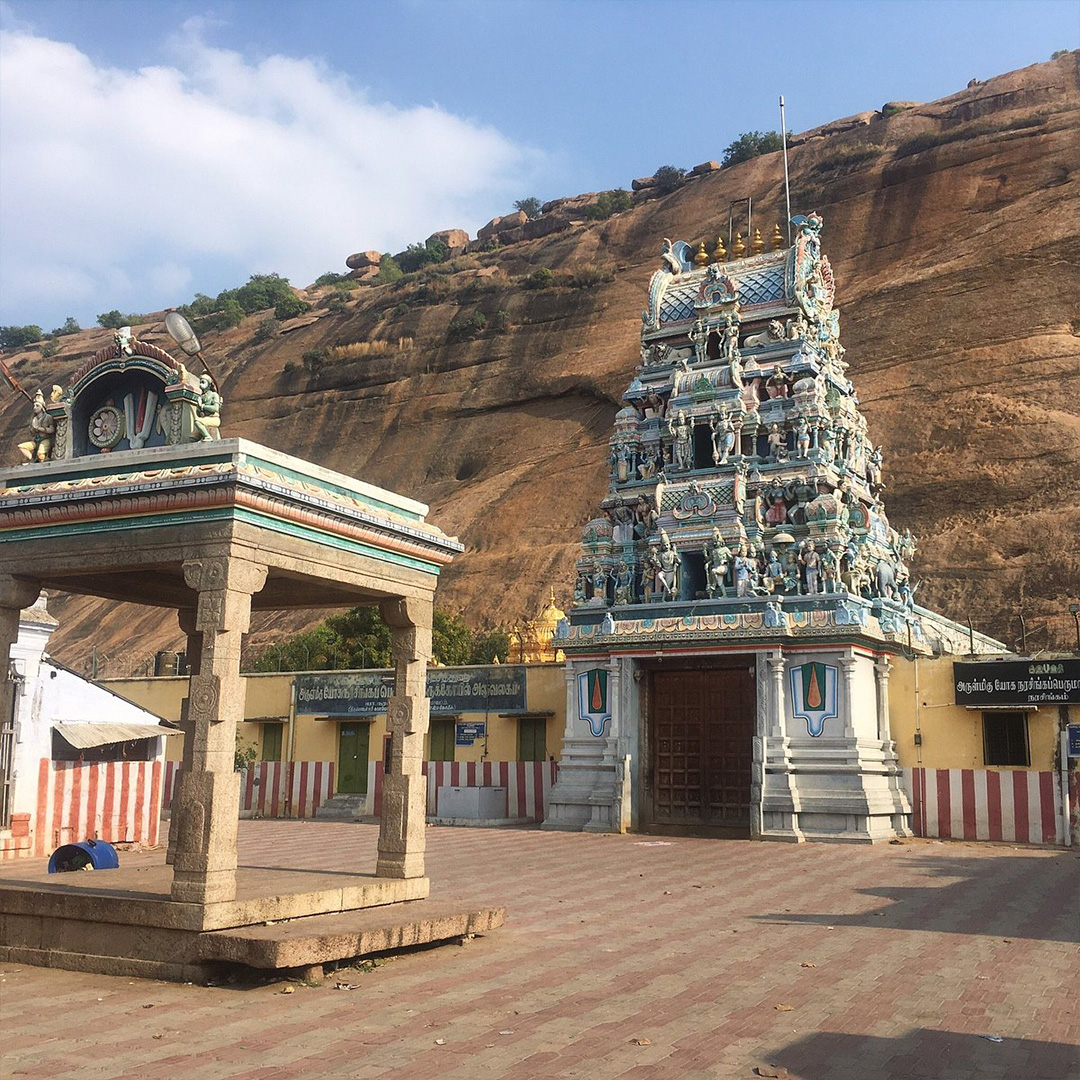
x=774, y=615
x=907, y=546
x=777, y=513
x=830, y=569
x=624, y=584
x=699, y=335
x=622, y=521
x=811, y=563
x=42, y=430
x=669, y=259
x=656, y=403
x=802, y=438
x=717, y=564
x=599, y=581
x=208, y=411
x=683, y=446
x=723, y=437
x=826, y=442
x=123, y=340
x=651, y=463
x=744, y=568
x=873, y=467
x=777, y=443
x=580, y=591
x=774, y=572
x=667, y=568
x=778, y=385
x=729, y=346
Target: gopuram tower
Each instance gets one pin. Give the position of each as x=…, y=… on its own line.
x=741, y=595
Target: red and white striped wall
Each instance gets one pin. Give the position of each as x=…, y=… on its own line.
x=117, y=801
x=527, y=783
x=1019, y=806
x=275, y=789
x=265, y=784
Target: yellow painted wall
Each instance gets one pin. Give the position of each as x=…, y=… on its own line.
x=268, y=695
x=952, y=735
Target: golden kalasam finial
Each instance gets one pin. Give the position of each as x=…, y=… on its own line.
x=719, y=252
x=738, y=249
x=757, y=246
x=702, y=256
x=777, y=238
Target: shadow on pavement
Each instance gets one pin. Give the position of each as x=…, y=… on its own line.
x=1009, y=896
x=924, y=1054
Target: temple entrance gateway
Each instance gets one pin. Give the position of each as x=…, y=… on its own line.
x=701, y=732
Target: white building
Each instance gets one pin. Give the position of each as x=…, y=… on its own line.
x=77, y=761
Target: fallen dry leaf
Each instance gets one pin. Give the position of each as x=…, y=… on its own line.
x=807, y=963
x=772, y=1072
x=288, y=989
x=784, y=1008
x=641, y=1042
x=440, y=1042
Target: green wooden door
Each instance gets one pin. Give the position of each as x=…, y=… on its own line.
x=353, y=759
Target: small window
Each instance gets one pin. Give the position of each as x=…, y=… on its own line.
x=132, y=750
x=1005, y=738
x=532, y=738
x=441, y=737
x=271, y=742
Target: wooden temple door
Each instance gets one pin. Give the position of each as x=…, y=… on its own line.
x=701, y=731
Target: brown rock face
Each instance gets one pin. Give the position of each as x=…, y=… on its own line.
x=455, y=240
x=952, y=229
x=363, y=260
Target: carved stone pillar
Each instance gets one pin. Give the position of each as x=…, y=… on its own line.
x=571, y=700
x=776, y=665
x=187, y=617
x=847, y=669
x=208, y=788
x=404, y=793
x=16, y=593
x=881, y=671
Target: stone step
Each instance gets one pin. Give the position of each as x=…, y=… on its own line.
x=320, y=939
x=342, y=808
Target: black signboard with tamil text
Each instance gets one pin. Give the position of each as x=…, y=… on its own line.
x=1017, y=682
x=496, y=688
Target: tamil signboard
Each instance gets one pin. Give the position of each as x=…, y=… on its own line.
x=1017, y=682
x=497, y=688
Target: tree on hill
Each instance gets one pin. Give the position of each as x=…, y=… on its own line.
x=530, y=207
x=751, y=144
x=112, y=320
x=71, y=326
x=15, y=337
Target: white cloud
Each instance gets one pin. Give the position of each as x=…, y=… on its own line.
x=120, y=187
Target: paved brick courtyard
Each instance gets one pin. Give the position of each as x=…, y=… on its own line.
x=830, y=962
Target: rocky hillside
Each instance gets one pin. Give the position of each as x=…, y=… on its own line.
x=952, y=229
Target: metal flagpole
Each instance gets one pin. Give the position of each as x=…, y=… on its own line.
x=787, y=187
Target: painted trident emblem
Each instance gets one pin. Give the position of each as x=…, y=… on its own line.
x=593, y=699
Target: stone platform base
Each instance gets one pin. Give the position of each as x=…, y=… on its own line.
x=123, y=922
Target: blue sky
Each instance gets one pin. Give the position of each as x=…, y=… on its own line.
x=152, y=149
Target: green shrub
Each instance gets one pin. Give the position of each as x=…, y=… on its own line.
x=313, y=359
x=336, y=302
x=499, y=323
x=49, y=349
x=466, y=325
x=266, y=329
x=588, y=276
x=416, y=256
x=751, y=144
x=389, y=271
x=112, y=320
x=667, y=178
x=541, y=278
x=15, y=337
x=260, y=292
x=290, y=367
x=609, y=202
x=289, y=307
x=331, y=278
